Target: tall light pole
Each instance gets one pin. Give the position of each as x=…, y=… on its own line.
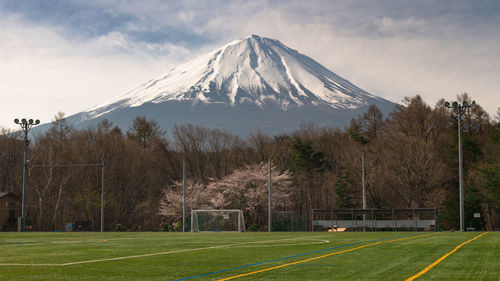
x=363, y=183
x=25, y=126
x=102, y=198
x=183, y=195
x=459, y=110
x=269, y=217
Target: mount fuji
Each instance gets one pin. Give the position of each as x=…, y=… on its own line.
x=249, y=84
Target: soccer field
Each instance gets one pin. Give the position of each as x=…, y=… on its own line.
x=250, y=256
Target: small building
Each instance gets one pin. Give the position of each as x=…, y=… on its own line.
x=10, y=206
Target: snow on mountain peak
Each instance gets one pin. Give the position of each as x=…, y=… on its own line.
x=253, y=69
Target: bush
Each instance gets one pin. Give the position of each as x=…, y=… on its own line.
x=164, y=227
x=254, y=227
x=134, y=228
x=278, y=226
x=176, y=226
x=119, y=227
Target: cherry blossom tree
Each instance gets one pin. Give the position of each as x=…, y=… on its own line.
x=245, y=189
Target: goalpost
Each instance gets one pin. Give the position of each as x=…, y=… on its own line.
x=217, y=220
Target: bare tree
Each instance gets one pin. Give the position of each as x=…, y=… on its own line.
x=245, y=189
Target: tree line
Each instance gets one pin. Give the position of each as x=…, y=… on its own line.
x=411, y=162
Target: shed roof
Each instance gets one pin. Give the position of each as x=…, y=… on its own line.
x=4, y=194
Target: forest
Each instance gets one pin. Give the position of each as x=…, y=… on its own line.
x=411, y=162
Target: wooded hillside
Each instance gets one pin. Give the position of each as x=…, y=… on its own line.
x=411, y=162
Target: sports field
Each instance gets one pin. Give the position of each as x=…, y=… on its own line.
x=250, y=256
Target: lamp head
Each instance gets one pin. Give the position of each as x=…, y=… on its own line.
x=16, y=121
x=30, y=121
x=37, y=122
x=24, y=121
x=455, y=104
x=447, y=104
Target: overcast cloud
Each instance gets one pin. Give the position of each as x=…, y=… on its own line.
x=70, y=55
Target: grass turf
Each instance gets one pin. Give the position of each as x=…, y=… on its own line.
x=172, y=256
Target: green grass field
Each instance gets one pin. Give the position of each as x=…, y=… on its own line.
x=266, y=256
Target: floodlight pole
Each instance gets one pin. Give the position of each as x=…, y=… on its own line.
x=183, y=195
x=460, y=109
x=26, y=125
x=269, y=222
x=364, y=186
x=460, y=171
x=102, y=198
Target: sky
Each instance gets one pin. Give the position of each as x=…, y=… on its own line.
x=67, y=56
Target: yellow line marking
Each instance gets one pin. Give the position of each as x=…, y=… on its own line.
x=319, y=257
x=442, y=258
x=411, y=237
x=297, y=262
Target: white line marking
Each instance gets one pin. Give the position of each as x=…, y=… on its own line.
x=318, y=241
x=152, y=254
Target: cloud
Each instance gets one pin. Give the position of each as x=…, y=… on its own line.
x=42, y=72
x=410, y=25
x=391, y=50
x=59, y=52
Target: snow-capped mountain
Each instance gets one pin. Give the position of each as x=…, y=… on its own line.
x=251, y=83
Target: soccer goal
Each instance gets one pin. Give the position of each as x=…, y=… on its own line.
x=217, y=220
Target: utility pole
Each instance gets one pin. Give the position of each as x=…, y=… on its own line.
x=460, y=110
x=102, y=198
x=364, y=187
x=183, y=195
x=269, y=222
x=26, y=125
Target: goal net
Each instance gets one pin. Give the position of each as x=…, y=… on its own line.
x=217, y=220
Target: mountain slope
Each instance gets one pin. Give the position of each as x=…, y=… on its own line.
x=247, y=84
